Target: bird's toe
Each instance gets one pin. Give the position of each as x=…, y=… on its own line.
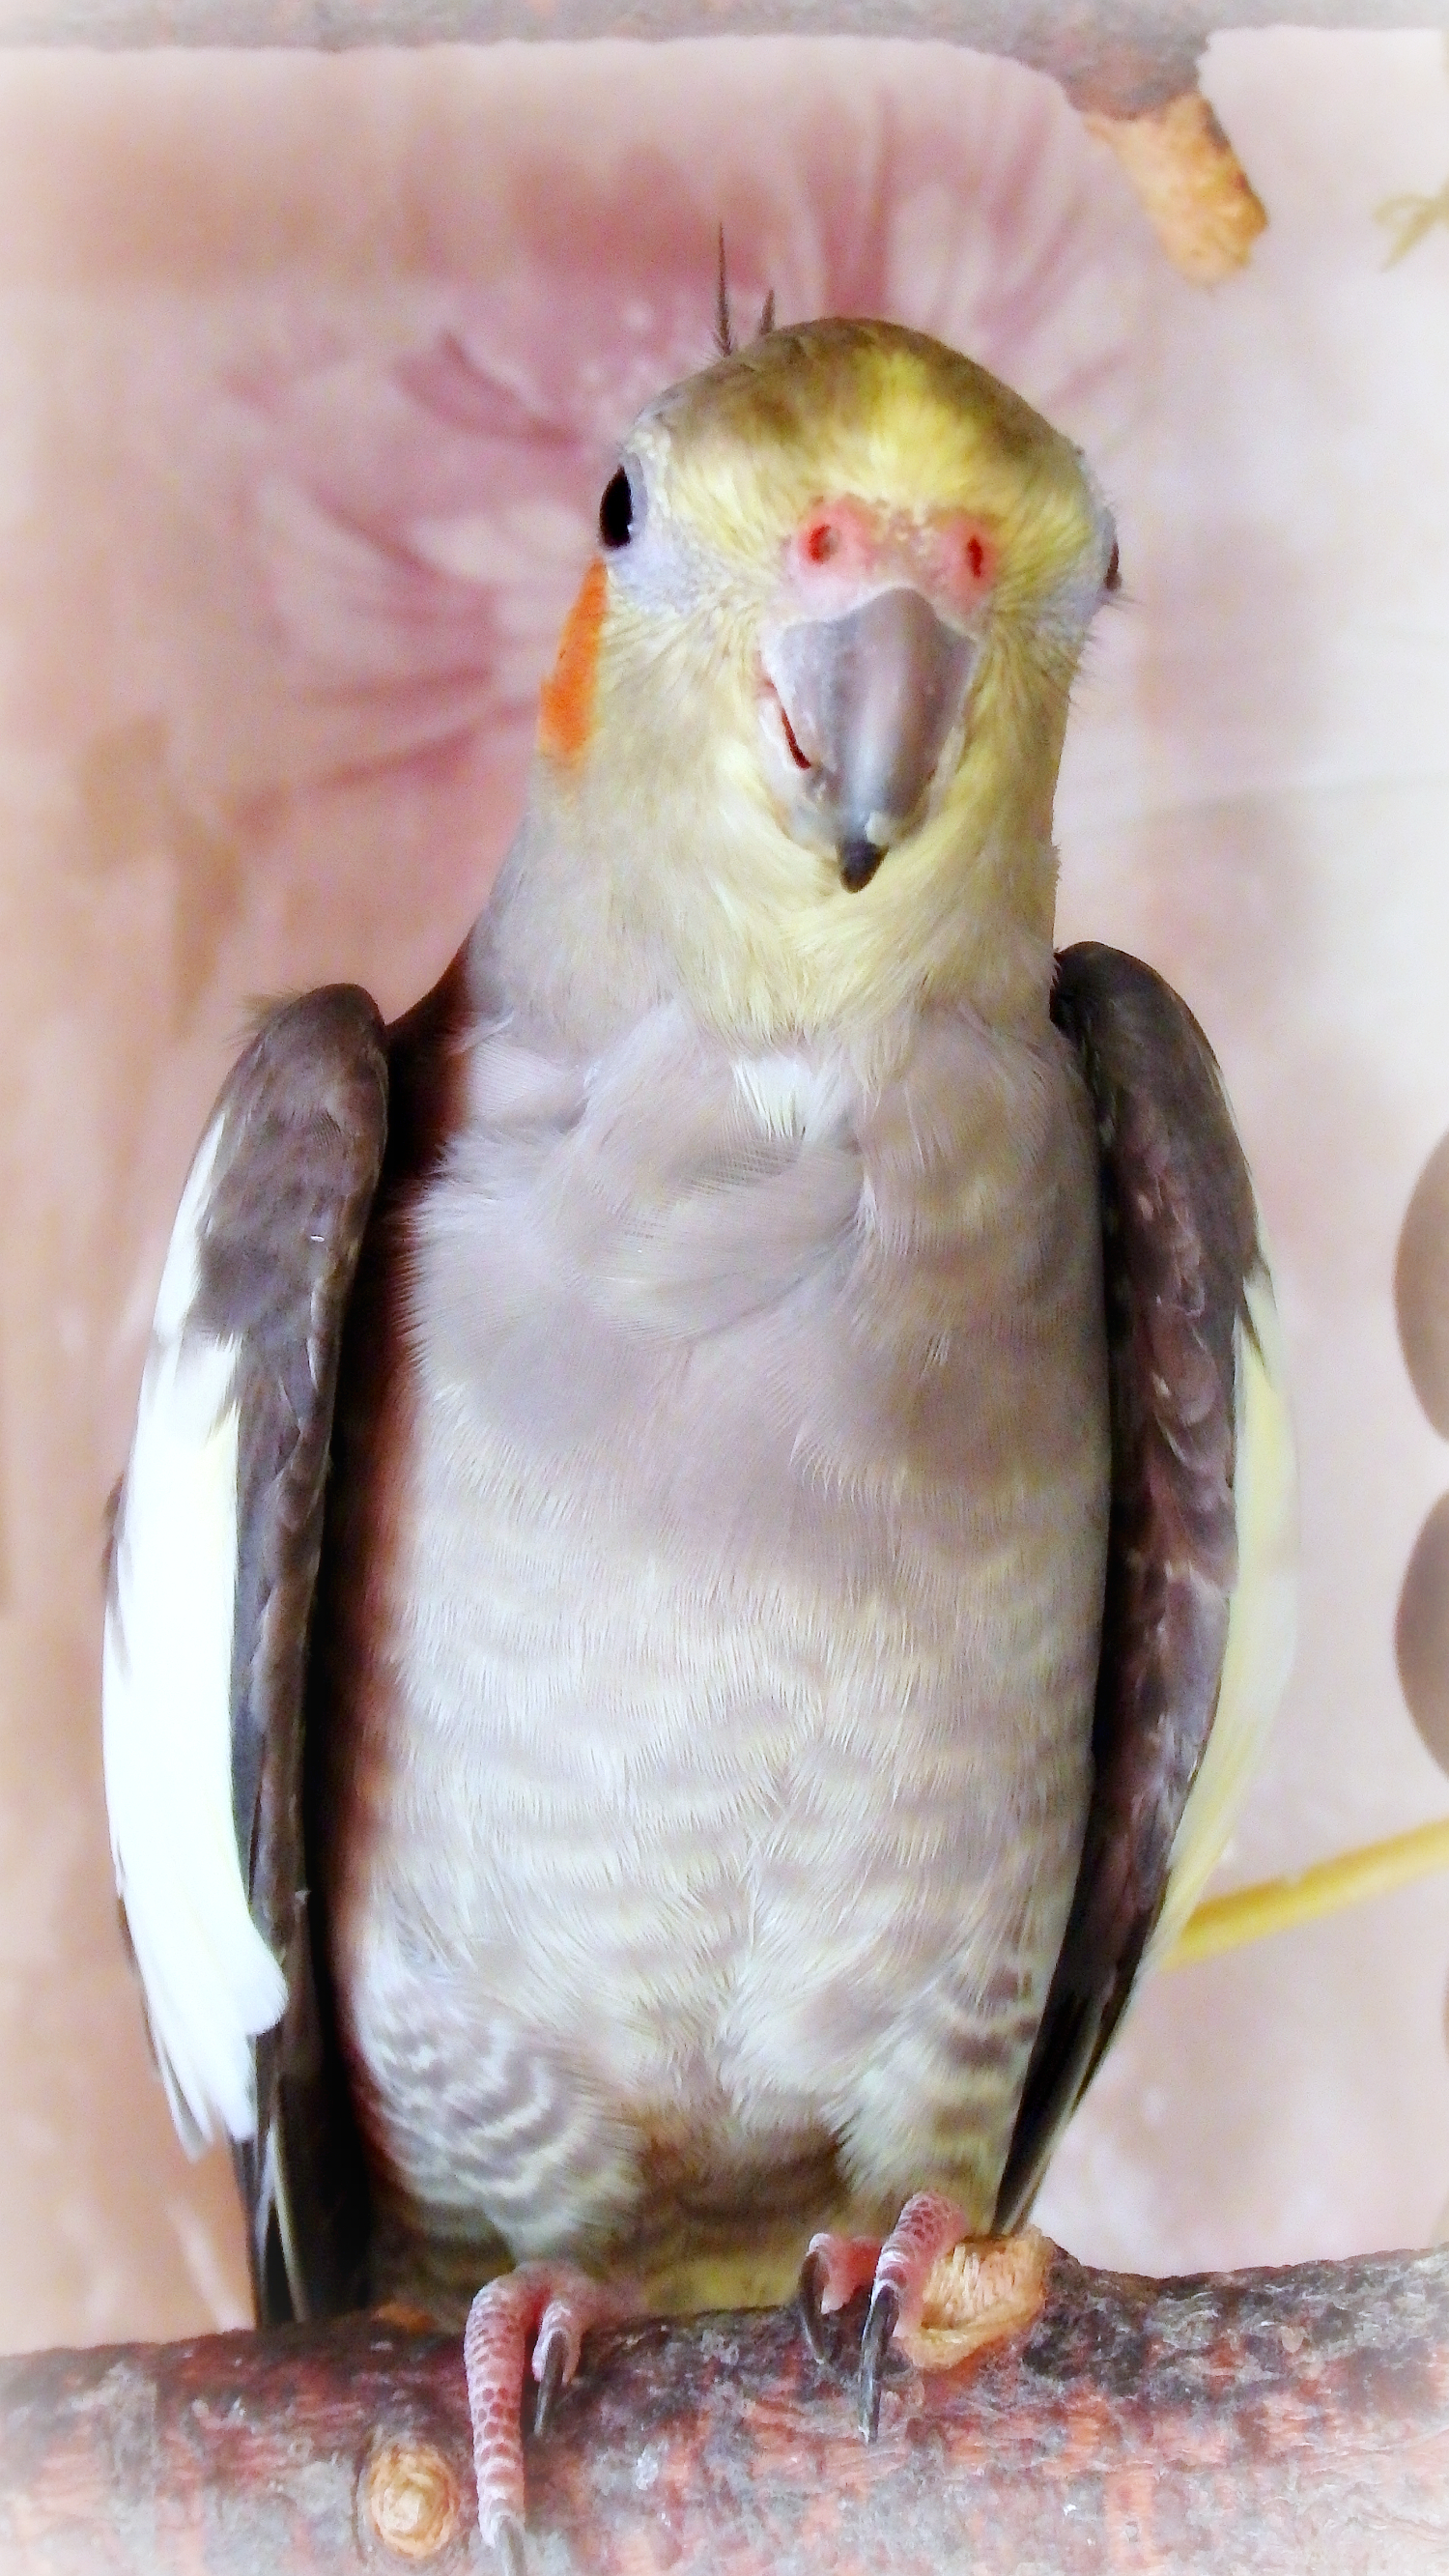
x=834, y=2269
x=550, y=2307
x=928, y=2227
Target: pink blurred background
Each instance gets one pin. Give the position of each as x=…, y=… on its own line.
x=310, y=372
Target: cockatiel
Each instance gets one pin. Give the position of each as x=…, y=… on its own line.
x=704, y=1552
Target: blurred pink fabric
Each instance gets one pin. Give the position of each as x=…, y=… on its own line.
x=311, y=370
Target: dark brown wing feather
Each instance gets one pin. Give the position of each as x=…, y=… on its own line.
x=305, y=1117
x=1180, y=1244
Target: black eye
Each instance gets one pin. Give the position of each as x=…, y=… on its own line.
x=616, y=511
x=1113, y=578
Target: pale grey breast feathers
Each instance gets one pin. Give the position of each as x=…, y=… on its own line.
x=725, y=1770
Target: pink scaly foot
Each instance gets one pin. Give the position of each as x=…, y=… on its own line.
x=936, y=2293
x=553, y=2306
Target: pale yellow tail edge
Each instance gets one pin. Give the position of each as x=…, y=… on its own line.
x=1252, y=1913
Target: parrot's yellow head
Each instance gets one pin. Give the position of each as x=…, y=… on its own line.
x=797, y=755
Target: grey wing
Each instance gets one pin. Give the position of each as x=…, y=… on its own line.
x=1198, y=1615
x=213, y=1569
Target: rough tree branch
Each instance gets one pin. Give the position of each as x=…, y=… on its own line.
x=1289, y=2420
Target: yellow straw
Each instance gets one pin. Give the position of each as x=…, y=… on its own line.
x=1252, y=1913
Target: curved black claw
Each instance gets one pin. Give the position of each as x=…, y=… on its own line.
x=550, y=2381
x=812, y=2315
x=508, y=2546
x=880, y=2325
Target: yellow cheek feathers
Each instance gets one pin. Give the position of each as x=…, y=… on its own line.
x=566, y=699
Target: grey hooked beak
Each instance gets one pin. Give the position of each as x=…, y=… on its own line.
x=869, y=700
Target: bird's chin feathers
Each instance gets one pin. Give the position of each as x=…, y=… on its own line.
x=660, y=869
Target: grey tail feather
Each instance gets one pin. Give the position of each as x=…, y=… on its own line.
x=724, y=338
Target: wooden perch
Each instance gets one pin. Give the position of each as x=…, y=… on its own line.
x=1292, y=2420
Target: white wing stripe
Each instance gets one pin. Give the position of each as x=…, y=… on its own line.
x=211, y=1982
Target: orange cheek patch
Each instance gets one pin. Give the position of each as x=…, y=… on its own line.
x=566, y=700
